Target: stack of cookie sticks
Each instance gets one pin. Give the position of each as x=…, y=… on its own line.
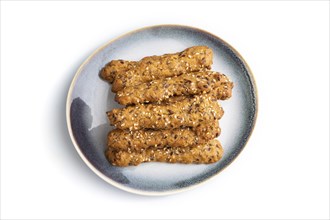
x=171, y=108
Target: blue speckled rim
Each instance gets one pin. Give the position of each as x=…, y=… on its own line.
x=183, y=187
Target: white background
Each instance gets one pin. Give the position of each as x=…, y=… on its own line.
x=282, y=173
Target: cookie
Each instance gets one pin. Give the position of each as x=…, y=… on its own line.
x=180, y=137
x=187, y=84
x=207, y=153
x=130, y=73
x=188, y=112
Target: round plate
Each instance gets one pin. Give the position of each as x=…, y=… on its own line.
x=90, y=97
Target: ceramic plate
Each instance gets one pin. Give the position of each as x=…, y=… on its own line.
x=90, y=97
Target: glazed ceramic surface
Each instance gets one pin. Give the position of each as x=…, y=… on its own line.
x=90, y=98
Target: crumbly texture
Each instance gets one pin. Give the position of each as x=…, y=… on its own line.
x=116, y=66
x=200, y=154
x=189, y=112
x=181, y=137
x=161, y=89
x=224, y=90
x=221, y=92
x=129, y=73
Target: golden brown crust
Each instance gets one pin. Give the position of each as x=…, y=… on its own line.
x=130, y=73
x=113, y=67
x=224, y=90
x=187, y=84
x=181, y=137
x=201, y=154
x=189, y=112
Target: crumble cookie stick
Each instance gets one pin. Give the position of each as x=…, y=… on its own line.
x=157, y=67
x=200, y=154
x=189, y=112
x=181, y=137
x=222, y=92
x=186, y=84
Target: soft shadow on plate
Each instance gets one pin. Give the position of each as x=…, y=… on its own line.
x=63, y=143
x=89, y=98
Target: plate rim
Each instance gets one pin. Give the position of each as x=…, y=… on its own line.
x=167, y=192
